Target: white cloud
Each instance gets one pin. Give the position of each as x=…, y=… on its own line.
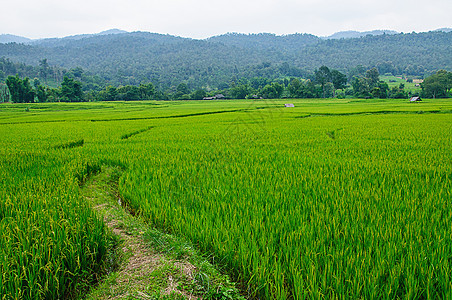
x=203, y=18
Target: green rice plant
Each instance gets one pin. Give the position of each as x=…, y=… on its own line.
x=287, y=210
x=296, y=214
x=51, y=241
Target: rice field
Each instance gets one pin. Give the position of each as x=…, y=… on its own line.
x=329, y=199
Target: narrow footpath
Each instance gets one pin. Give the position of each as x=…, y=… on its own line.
x=146, y=263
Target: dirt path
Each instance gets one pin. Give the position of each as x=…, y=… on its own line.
x=141, y=272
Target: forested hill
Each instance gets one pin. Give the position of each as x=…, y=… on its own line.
x=267, y=41
x=131, y=58
x=410, y=54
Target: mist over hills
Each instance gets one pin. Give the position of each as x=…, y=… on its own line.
x=10, y=38
x=357, y=34
x=444, y=29
x=119, y=57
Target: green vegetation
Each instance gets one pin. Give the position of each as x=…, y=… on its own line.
x=438, y=85
x=51, y=243
x=20, y=90
x=326, y=84
x=146, y=262
x=221, y=61
x=334, y=198
x=145, y=66
x=394, y=81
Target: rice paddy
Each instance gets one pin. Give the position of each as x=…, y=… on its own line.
x=329, y=199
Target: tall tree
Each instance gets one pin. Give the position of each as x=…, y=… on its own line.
x=239, y=91
x=358, y=71
x=111, y=93
x=147, y=91
x=44, y=69
x=71, y=90
x=338, y=79
x=198, y=94
x=272, y=91
x=4, y=93
x=182, y=92
x=14, y=85
x=322, y=76
x=373, y=77
x=296, y=88
x=41, y=94
x=128, y=93
x=383, y=90
x=28, y=93
x=20, y=90
x=361, y=87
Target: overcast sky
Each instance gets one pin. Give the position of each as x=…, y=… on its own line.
x=204, y=18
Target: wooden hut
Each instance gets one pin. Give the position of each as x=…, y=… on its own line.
x=415, y=99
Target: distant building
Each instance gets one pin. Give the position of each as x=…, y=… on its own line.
x=415, y=99
x=218, y=96
x=289, y=105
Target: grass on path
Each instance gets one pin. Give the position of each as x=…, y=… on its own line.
x=144, y=262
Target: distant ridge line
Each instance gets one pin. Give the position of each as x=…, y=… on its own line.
x=11, y=38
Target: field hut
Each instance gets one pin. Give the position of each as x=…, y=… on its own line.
x=289, y=105
x=415, y=99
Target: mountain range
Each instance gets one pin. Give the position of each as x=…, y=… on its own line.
x=118, y=57
x=9, y=38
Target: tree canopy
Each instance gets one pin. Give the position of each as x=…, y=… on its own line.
x=20, y=89
x=438, y=85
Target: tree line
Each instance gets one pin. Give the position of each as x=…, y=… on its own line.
x=325, y=83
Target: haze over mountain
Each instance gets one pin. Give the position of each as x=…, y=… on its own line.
x=10, y=38
x=357, y=34
x=444, y=29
